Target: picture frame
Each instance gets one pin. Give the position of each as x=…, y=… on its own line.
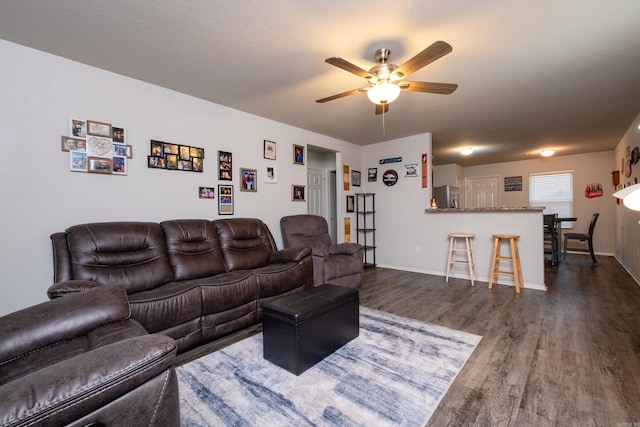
x=298, y=154
x=298, y=193
x=78, y=161
x=248, y=180
x=356, y=176
x=99, y=165
x=269, y=150
x=119, y=165
x=197, y=152
x=99, y=146
x=78, y=128
x=99, y=129
x=118, y=134
x=185, y=165
x=122, y=150
x=411, y=170
x=225, y=162
x=169, y=148
x=345, y=177
x=156, y=162
x=270, y=174
x=372, y=175
x=73, y=144
x=184, y=152
x=171, y=161
x=197, y=164
x=206, y=193
x=351, y=203
x=157, y=148
x=225, y=199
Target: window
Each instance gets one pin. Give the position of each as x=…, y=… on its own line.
x=554, y=191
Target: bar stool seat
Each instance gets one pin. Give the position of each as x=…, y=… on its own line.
x=513, y=257
x=469, y=257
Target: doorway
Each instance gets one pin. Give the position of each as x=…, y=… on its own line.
x=321, y=183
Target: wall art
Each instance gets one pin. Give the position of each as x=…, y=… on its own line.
x=297, y=193
x=167, y=155
x=206, y=193
x=298, y=154
x=248, y=180
x=411, y=170
x=270, y=174
x=225, y=199
x=355, y=178
x=224, y=165
x=390, y=177
x=350, y=204
x=345, y=177
x=372, y=174
x=269, y=150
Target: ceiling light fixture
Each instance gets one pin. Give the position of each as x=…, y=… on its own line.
x=547, y=152
x=383, y=92
x=466, y=151
x=630, y=196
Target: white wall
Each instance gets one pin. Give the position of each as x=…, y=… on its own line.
x=587, y=168
x=40, y=196
x=627, y=233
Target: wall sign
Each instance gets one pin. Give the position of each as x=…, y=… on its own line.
x=513, y=183
x=391, y=160
x=390, y=177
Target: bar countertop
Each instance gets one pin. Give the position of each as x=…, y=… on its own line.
x=483, y=210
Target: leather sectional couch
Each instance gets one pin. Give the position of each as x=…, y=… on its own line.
x=80, y=361
x=193, y=280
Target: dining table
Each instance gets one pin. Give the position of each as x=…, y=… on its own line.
x=559, y=221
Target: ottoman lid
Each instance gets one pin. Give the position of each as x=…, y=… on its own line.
x=304, y=305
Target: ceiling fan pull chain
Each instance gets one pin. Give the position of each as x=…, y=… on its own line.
x=384, y=132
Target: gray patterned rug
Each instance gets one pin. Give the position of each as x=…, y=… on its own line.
x=393, y=374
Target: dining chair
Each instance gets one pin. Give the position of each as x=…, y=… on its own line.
x=551, y=242
x=582, y=237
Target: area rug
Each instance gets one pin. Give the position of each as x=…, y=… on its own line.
x=393, y=374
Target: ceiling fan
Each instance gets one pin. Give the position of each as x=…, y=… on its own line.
x=386, y=79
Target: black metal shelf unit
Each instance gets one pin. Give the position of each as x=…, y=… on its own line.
x=366, y=226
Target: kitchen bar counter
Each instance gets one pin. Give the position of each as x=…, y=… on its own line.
x=484, y=223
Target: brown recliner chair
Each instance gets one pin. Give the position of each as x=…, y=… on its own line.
x=80, y=360
x=337, y=264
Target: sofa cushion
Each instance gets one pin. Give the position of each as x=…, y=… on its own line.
x=193, y=248
x=319, y=244
x=246, y=243
x=130, y=254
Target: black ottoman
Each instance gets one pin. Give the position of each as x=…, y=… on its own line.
x=300, y=330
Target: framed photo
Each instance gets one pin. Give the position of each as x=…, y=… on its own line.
x=270, y=174
x=119, y=165
x=411, y=170
x=73, y=144
x=269, y=150
x=298, y=154
x=185, y=152
x=99, y=129
x=98, y=146
x=117, y=134
x=248, y=179
x=99, y=165
x=170, y=148
x=157, y=148
x=78, y=128
x=206, y=193
x=225, y=199
x=156, y=162
x=78, y=161
x=197, y=164
x=197, y=152
x=345, y=177
x=356, y=176
x=297, y=193
x=372, y=174
x=122, y=150
x=350, y=203
x=171, y=161
x=185, y=165
x=224, y=165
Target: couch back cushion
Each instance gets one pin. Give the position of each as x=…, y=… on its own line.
x=129, y=254
x=193, y=248
x=309, y=231
x=246, y=243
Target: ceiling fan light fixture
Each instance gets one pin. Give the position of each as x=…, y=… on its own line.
x=383, y=93
x=547, y=152
x=630, y=196
x=465, y=151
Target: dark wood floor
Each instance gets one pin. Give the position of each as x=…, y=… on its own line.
x=569, y=356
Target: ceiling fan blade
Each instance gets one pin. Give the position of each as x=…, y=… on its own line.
x=439, y=88
x=343, y=94
x=348, y=66
x=381, y=108
x=427, y=56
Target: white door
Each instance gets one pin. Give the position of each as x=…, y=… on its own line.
x=482, y=192
x=315, y=193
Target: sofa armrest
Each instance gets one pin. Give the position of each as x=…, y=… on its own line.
x=69, y=287
x=65, y=391
x=345, y=249
x=290, y=255
x=47, y=323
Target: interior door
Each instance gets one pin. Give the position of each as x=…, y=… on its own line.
x=482, y=192
x=315, y=193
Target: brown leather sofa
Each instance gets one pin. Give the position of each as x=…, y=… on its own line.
x=191, y=279
x=82, y=361
x=336, y=264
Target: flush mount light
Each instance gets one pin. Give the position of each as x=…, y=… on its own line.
x=630, y=196
x=465, y=151
x=547, y=152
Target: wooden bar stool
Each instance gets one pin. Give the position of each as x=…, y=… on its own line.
x=470, y=257
x=513, y=257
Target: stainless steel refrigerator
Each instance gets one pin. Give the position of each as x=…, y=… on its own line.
x=447, y=196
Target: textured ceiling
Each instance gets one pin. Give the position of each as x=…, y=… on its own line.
x=531, y=74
